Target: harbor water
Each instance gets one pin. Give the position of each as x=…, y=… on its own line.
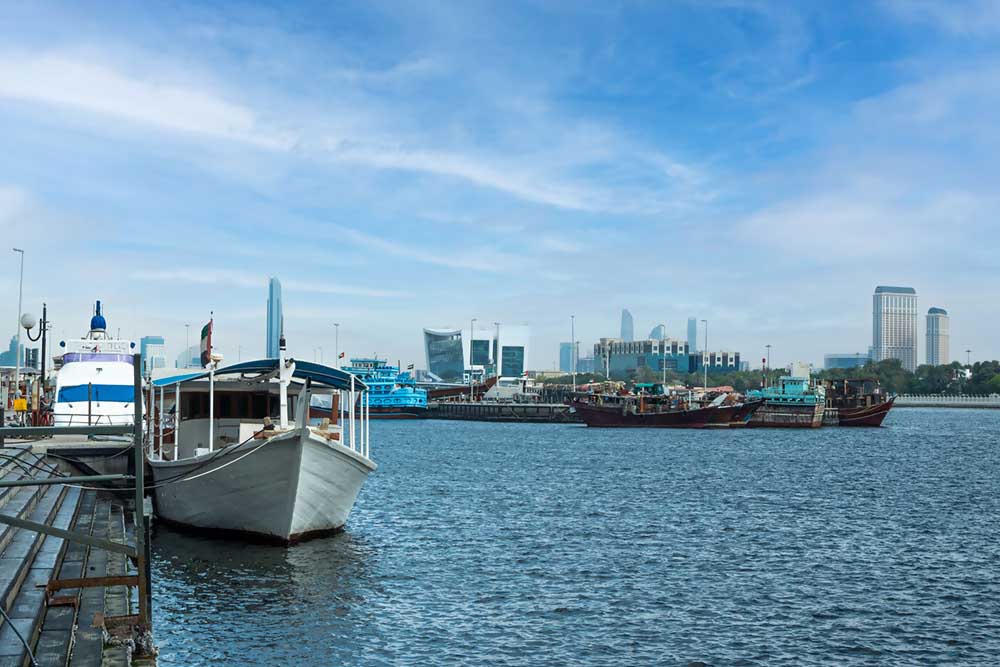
x=521, y=544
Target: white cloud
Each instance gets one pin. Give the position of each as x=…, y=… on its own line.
x=963, y=17
x=210, y=276
x=550, y=177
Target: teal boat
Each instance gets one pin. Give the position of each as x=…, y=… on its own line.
x=792, y=403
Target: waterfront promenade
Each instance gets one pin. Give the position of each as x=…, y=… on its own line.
x=990, y=402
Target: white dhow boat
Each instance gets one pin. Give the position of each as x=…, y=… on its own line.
x=95, y=379
x=229, y=469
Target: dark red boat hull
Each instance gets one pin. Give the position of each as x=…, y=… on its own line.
x=870, y=416
x=600, y=416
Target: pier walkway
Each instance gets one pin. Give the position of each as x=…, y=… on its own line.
x=50, y=613
x=495, y=411
x=990, y=402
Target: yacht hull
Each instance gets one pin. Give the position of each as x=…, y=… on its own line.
x=287, y=488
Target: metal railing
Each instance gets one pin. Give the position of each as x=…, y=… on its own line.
x=943, y=400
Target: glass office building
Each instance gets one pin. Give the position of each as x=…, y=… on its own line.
x=445, y=356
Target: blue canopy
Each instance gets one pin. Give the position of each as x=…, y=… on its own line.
x=318, y=373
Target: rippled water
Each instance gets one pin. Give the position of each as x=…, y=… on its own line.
x=518, y=544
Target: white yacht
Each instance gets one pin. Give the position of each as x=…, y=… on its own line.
x=95, y=382
x=229, y=467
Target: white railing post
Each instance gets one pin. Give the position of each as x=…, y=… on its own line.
x=161, y=420
x=368, y=425
x=350, y=412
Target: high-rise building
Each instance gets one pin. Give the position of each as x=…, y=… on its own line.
x=566, y=364
x=451, y=357
x=693, y=334
x=9, y=358
x=275, y=317
x=628, y=328
x=31, y=358
x=152, y=350
x=894, y=325
x=938, y=352
x=844, y=360
x=659, y=332
x=189, y=358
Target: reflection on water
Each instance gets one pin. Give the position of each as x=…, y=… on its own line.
x=514, y=544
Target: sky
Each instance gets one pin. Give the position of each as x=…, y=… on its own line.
x=404, y=165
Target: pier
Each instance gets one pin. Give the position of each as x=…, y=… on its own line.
x=988, y=402
x=74, y=555
x=494, y=411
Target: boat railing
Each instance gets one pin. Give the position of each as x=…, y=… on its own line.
x=106, y=419
x=355, y=424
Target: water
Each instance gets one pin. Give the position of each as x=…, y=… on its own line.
x=519, y=544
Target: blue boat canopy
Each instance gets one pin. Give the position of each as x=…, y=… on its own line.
x=318, y=373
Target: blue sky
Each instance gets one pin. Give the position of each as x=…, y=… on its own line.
x=401, y=165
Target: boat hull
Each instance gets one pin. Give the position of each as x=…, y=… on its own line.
x=783, y=415
x=871, y=416
x=287, y=488
x=599, y=416
x=397, y=412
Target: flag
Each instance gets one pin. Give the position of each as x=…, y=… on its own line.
x=206, y=344
x=341, y=355
x=410, y=367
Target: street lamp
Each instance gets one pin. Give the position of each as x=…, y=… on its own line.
x=17, y=352
x=187, y=346
x=472, y=336
x=28, y=322
x=496, y=352
x=767, y=368
x=703, y=364
x=968, y=358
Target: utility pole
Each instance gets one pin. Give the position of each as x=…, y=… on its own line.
x=472, y=336
x=496, y=352
x=767, y=369
x=17, y=351
x=704, y=355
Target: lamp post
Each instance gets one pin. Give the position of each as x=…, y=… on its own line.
x=17, y=351
x=496, y=352
x=968, y=358
x=767, y=369
x=472, y=336
x=187, y=346
x=336, y=344
x=704, y=365
x=27, y=321
x=572, y=349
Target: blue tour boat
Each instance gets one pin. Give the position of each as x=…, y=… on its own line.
x=392, y=394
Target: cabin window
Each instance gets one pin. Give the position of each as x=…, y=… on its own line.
x=224, y=406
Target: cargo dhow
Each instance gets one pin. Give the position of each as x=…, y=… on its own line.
x=792, y=403
x=393, y=394
x=663, y=411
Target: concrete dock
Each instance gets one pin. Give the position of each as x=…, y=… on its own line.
x=501, y=412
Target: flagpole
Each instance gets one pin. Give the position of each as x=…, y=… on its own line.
x=211, y=387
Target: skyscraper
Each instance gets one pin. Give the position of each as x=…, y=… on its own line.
x=938, y=352
x=693, y=334
x=275, y=318
x=894, y=325
x=153, y=351
x=659, y=332
x=566, y=357
x=628, y=329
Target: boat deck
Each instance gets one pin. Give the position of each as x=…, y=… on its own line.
x=67, y=626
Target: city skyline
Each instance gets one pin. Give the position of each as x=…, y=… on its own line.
x=783, y=159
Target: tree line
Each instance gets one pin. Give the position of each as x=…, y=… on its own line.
x=950, y=379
